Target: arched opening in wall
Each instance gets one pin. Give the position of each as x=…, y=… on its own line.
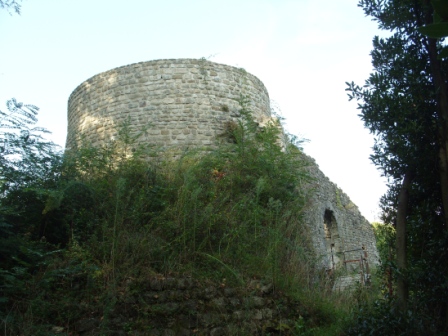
x=332, y=240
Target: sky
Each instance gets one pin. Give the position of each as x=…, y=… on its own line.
x=302, y=50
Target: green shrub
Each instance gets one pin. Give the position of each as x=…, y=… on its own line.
x=123, y=211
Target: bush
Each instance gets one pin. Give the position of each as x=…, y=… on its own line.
x=109, y=214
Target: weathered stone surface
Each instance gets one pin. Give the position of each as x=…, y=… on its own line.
x=239, y=315
x=213, y=316
x=257, y=315
x=267, y=288
x=254, y=302
x=218, y=304
x=229, y=291
x=218, y=331
x=188, y=93
x=87, y=324
x=188, y=102
x=346, y=282
x=156, y=284
x=209, y=292
x=339, y=231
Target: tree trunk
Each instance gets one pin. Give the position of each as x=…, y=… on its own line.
x=441, y=87
x=442, y=114
x=443, y=152
x=403, y=200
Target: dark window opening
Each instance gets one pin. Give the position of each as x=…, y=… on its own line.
x=332, y=239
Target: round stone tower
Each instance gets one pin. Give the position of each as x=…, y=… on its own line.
x=186, y=102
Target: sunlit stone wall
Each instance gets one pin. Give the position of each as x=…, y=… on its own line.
x=186, y=102
x=339, y=230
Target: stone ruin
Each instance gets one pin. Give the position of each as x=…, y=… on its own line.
x=188, y=102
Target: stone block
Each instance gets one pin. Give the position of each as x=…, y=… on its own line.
x=257, y=315
x=218, y=304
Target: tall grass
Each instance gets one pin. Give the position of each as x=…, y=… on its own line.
x=233, y=213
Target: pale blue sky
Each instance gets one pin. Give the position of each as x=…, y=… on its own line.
x=303, y=50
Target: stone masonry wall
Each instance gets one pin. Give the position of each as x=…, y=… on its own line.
x=335, y=219
x=186, y=102
x=184, y=306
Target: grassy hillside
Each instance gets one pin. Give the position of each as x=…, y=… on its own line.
x=81, y=231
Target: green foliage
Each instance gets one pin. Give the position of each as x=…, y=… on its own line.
x=399, y=103
x=110, y=216
x=382, y=318
x=438, y=29
x=387, y=271
x=27, y=159
x=385, y=240
x=233, y=204
x=29, y=169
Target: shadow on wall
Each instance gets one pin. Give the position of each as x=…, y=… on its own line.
x=333, y=242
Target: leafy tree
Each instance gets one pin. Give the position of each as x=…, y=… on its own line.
x=27, y=157
x=402, y=103
x=439, y=27
x=10, y=5
x=29, y=164
x=29, y=168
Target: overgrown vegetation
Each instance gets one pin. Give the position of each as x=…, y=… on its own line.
x=404, y=104
x=77, y=228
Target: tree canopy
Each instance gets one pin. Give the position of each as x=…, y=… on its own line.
x=11, y=5
x=403, y=103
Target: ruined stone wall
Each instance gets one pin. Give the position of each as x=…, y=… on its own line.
x=184, y=306
x=337, y=225
x=186, y=102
